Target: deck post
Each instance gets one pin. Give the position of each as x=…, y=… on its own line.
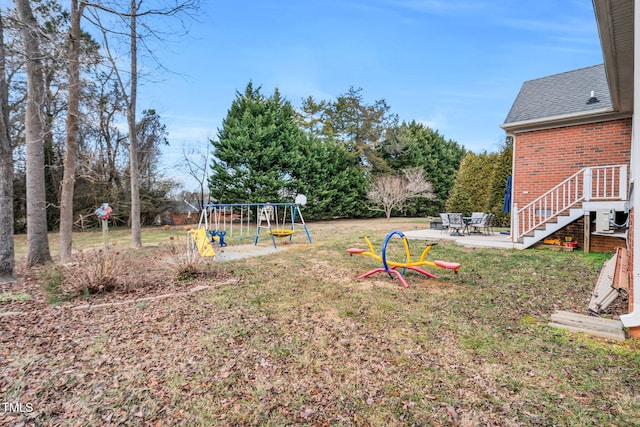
x=586, y=232
x=586, y=187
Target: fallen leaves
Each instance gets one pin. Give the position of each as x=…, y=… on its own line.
x=314, y=346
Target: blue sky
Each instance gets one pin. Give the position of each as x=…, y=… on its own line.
x=454, y=65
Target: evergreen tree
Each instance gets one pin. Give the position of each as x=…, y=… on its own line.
x=328, y=176
x=312, y=116
x=256, y=150
x=470, y=192
x=442, y=162
x=361, y=127
x=503, y=168
x=416, y=145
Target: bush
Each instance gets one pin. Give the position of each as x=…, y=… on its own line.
x=185, y=261
x=51, y=285
x=95, y=272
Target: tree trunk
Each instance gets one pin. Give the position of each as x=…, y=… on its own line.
x=7, y=259
x=71, y=148
x=37, y=238
x=136, y=240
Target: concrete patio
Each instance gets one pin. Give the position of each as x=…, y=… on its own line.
x=474, y=240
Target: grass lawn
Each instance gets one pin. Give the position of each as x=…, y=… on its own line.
x=294, y=337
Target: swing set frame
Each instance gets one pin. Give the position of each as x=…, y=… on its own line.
x=277, y=219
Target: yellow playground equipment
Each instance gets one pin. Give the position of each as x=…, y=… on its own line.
x=391, y=267
x=218, y=221
x=202, y=243
x=279, y=219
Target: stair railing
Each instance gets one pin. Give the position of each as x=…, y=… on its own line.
x=590, y=183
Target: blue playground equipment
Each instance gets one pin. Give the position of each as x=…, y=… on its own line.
x=278, y=220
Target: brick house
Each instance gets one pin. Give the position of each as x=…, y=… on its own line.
x=568, y=139
x=575, y=157
x=183, y=213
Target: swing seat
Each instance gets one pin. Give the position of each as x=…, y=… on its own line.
x=217, y=236
x=280, y=233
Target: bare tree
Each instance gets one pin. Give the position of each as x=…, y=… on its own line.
x=197, y=163
x=136, y=232
x=103, y=161
x=7, y=259
x=390, y=192
x=136, y=10
x=71, y=146
x=37, y=238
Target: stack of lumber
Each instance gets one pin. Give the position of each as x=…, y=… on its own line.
x=605, y=328
x=613, y=281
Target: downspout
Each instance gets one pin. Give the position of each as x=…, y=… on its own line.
x=514, y=215
x=633, y=318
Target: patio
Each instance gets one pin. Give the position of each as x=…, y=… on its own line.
x=495, y=240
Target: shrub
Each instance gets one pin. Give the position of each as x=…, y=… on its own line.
x=95, y=272
x=51, y=284
x=185, y=261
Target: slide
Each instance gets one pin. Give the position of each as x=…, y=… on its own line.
x=202, y=242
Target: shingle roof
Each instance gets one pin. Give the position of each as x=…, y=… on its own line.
x=560, y=95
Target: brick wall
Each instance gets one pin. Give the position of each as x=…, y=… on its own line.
x=545, y=158
x=183, y=218
x=575, y=230
x=599, y=243
x=606, y=244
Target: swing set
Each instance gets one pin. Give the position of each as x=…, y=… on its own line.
x=218, y=221
x=274, y=220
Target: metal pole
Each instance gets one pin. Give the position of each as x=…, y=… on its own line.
x=105, y=233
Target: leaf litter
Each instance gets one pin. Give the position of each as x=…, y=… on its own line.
x=298, y=339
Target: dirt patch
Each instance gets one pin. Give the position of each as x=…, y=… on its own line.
x=439, y=287
x=233, y=252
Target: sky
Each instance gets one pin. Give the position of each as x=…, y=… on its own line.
x=454, y=65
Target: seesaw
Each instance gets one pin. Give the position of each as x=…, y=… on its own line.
x=391, y=267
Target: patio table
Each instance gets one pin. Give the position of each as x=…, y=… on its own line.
x=467, y=223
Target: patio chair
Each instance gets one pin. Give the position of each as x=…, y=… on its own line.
x=456, y=223
x=444, y=217
x=487, y=223
x=476, y=220
x=492, y=218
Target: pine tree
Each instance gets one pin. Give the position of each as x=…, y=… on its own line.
x=328, y=176
x=470, y=192
x=359, y=126
x=256, y=150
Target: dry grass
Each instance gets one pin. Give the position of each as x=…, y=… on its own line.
x=301, y=340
